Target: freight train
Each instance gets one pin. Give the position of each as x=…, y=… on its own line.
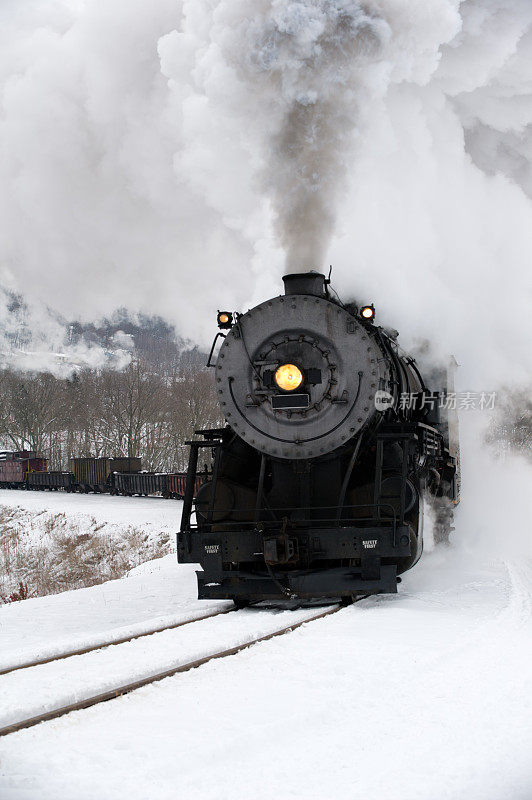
x=25, y=469
x=333, y=444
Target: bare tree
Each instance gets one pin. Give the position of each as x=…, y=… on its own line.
x=146, y=410
x=31, y=408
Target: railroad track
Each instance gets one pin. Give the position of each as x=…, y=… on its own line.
x=101, y=644
x=84, y=678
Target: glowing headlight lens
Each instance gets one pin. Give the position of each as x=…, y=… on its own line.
x=225, y=319
x=288, y=377
x=368, y=312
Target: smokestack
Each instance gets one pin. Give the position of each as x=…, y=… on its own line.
x=305, y=283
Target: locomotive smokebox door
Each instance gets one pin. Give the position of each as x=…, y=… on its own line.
x=297, y=375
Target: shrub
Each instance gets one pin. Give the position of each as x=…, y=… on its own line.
x=54, y=553
x=22, y=594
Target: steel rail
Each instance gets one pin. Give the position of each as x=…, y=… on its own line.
x=109, y=643
x=111, y=694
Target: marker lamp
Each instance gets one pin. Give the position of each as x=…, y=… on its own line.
x=225, y=319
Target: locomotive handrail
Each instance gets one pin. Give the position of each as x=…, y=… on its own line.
x=307, y=522
x=218, y=336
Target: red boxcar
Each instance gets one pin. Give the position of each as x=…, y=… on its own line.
x=14, y=466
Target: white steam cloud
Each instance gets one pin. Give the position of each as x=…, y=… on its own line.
x=175, y=157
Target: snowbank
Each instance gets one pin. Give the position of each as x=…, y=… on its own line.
x=52, y=542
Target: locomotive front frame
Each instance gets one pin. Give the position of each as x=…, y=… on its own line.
x=367, y=548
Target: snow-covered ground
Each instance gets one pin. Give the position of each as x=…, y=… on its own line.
x=38, y=690
x=426, y=695
x=103, y=507
x=153, y=594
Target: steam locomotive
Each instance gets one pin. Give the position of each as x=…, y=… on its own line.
x=320, y=476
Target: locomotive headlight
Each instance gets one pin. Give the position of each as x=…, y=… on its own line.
x=367, y=312
x=225, y=319
x=288, y=377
